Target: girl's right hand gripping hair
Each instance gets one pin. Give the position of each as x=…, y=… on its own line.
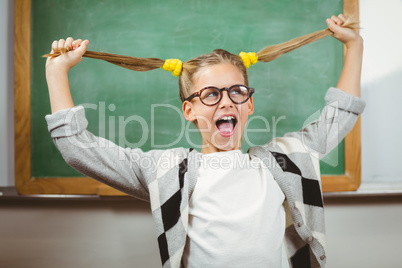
x=71, y=54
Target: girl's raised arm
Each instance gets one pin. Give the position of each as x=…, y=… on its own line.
x=93, y=156
x=57, y=68
x=341, y=112
x=349, y=80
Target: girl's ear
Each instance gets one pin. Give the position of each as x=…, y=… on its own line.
x=188, y=111
x=250, y=106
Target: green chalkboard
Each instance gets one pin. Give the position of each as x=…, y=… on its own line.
x=143, y=109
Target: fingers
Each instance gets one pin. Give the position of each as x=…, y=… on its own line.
x=60, y=45
x=69, y=43
x=83, y=47
x=54, y=46
x=337, y=20
x=342, y=17
x=332, y=25
x=76, y=44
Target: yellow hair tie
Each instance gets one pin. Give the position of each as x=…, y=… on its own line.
x=248, y=58
x=173, y=65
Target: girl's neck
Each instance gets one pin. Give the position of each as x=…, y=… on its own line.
x=209, y=149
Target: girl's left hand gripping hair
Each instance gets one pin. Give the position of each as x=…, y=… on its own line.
x=345, y=35
x=71, y=53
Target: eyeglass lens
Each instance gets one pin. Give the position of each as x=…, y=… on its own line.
x=238, y=94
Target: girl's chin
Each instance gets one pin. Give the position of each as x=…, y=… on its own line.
x=220, y=142
x=226, y=144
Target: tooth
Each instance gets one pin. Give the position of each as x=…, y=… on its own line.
x=226, y=118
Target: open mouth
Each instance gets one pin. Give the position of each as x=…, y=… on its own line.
x=226, y=125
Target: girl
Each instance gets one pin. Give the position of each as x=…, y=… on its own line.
x=218, y=207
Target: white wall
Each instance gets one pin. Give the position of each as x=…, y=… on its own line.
x=381, y=88
x=6, y=93
x=365, y=232
x=361, y=232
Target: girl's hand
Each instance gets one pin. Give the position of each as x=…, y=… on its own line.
x=75, y=49
x=347, y=36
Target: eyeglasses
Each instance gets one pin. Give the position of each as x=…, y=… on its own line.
x=212, y=95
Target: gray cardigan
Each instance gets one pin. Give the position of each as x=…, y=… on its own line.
x=167, y=178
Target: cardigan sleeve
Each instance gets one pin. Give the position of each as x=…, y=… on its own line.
x=96, y=157
x=336, y=120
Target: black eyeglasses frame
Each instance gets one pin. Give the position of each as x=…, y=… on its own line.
x=250, y=92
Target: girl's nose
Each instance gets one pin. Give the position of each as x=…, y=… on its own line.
x=225, y=101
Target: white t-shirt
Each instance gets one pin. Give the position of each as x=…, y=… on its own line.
x=236, y=215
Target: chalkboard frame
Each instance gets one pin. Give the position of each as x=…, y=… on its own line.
x=28, y=185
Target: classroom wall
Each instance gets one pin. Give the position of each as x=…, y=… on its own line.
x=6, y=93
x=381, y=88
x=361, y=232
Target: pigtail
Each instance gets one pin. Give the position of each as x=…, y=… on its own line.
x=271, y=53
x=132, y=63
x=175, y=66
x=185, y=71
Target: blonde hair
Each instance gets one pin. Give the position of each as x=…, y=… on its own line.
x=191, y=67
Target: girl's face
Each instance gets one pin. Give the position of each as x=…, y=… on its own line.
x=217, y=134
